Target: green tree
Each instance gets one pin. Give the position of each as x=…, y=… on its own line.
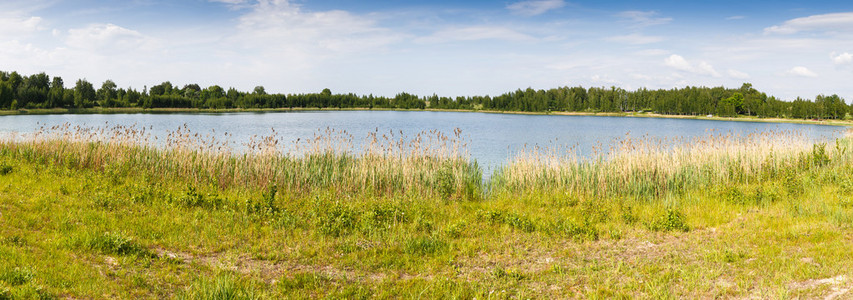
x=6, y=96
x=56, y=94
x=84, y=94
x=107, y=94
x=736, y=101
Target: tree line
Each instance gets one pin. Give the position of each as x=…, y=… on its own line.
x=42, y=91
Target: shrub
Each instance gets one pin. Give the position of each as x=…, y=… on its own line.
x=115, y=243
x=670, y=221
x=193, y=198
x=5, y=169
x=338, y=221
x=512, y=219
x=456, y=230
x=264, y=206
x=384, y=215
x=502, y=273
x=16, y=276
x=583, y=232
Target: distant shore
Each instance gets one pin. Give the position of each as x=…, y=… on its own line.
x=136, y=110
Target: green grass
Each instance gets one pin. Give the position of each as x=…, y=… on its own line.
x=103, y=221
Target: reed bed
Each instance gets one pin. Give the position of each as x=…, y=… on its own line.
x=653, y=166
x=429, y=163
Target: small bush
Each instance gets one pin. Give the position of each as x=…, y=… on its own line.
x=818, y=155
x=751, y=196
x=5, y=169
x=670, y=221
x=456, y=230
x=115, y=243
x=583, y=232
x=15, y=240
x=502, y=273
x=338, y=221
x=512, y=219
x=264, y=206
x=383, y=216
x=192, y=198
x=594, y=212
x=16, y=276
x=444, y=184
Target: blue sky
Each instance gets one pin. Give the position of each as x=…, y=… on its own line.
x=786, y=48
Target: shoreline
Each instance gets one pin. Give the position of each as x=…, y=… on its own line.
x=134, y=110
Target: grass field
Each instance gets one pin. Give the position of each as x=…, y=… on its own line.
x=99, y=213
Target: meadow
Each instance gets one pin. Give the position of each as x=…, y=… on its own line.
x=110, y=212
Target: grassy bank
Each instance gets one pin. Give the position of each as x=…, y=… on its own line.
x=97, y=213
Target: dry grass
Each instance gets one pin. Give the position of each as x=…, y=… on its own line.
x=430, y=163
x=653, y=166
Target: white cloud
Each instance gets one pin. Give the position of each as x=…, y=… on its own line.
x=534, y=7
x=604, y=80
x=678, y=62
x=801, y=71
x=474, y=33
x=18, y=24
x=108, y=38
x=635, y=39
x=652, y=52
x=843, y=58
x=737, y=74
x=706, y=68
x=643, y=18
x=834, y=22
x=281, y=32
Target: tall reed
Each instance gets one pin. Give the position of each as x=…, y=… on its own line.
x=653, y=166
x=429, y=163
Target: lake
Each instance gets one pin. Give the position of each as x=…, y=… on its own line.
x=491, y=138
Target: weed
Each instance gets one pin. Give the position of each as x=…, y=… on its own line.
x=337, y=221
x=670, y=221
x=584, y=232
x=384, y=216
x=456, y=229
x=819, y=157
x=425, y=245
x=444, y=183
x=512, y=219
x=501, y=273
x=15, y=240
x=192, y=198
x=5, y=169
x=16, y=276
x=223, y=287
x=265, y=206
x=115, y=243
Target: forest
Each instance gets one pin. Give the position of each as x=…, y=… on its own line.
x=40, y=91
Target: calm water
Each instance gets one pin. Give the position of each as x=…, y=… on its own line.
x=491, y=138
